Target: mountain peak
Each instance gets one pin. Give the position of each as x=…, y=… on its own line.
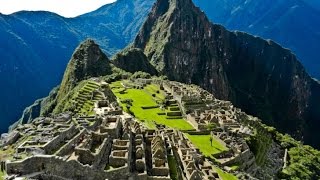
x=180, y=41
x=88, y=42
x=168, y=20
x=87, y=61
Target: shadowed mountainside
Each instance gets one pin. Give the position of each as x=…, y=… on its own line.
x=292, y=23
x=258, y=76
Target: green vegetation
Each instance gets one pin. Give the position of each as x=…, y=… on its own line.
x=303, y=161
x=81, y=99
x=203, y=143
x=173, y=168
x=154, y=89
x=151, y=113
x=140, y=74
x=80, y=68
x=235, y=166
x=117, y=74
x=259, y=144
x=108, y=167
x=211, y=126
x=225, y=176
x=2, y=174
x=6, y=154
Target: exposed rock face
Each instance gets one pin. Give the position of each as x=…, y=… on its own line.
x=41, y=107
x=31, y=112
x=296, y=25
x=258, y=76
x=133, y=60
x=87, y=61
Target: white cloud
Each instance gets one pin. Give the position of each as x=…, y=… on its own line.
x=67, y=8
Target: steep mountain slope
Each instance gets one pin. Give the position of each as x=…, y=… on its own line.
x=133, y=60
x=87, y=61
x=29, y=67
x=292, y=23
x=36, y=46
x=258, y=76
x=255, y=150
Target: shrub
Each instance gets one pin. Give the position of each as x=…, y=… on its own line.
x=140, y=74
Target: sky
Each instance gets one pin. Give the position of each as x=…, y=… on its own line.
x=66, y=8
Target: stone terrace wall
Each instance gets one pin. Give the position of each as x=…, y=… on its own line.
x=70, y=145
x=67, y=169
x=51, y=146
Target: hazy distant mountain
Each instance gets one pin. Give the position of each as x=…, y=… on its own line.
x=35, y=48
x=292, y=23
x=313, y=3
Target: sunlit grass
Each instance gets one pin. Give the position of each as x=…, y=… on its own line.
x=203, y=143
x=224, y=175
x=143, y=98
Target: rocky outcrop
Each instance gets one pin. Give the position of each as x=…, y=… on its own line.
x=31, y=112
x=295, y=19
x=133, y=60
x=41, y=107
x=87, y=61
x=258, y=76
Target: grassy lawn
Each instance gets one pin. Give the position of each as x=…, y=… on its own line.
x=203, y=143
x=143, y=97
x=2, y=174
x=153, y=89
x=224, y=175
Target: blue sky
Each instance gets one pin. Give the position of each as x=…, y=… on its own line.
x=67, y=8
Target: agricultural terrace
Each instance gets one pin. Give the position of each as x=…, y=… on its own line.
x=148, y=105
x=84, y=99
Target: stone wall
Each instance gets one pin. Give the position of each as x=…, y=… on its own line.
x=65, y=149
x=105, y=148
x=85, y=156
x=88, y=157
x=51, y=146
x=55, y=166
x=174, y=113
x=158, y=178
x=114, y=132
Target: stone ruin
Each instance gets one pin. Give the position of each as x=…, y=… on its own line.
x=160, y=166
x=188, y=96
x=114, y=145
x=193, y=164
